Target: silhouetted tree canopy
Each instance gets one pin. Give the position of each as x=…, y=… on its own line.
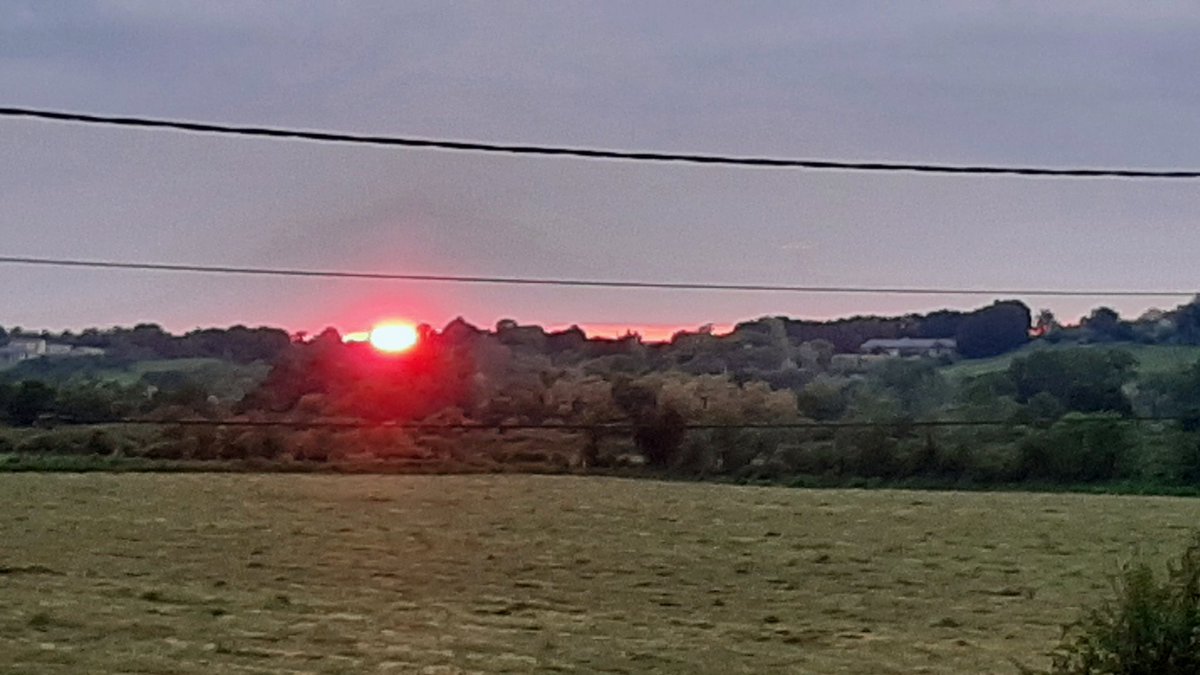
x=994, y=330
x=1080, y=379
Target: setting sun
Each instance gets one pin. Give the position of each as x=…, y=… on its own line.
x=393, y=337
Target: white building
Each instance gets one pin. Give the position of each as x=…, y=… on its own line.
x=909, y=347
x=25, y=348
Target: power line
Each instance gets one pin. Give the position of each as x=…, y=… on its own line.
x=589, y=153
x=582, y=283
x=616, y=427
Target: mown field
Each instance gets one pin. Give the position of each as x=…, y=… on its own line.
x=205, y=573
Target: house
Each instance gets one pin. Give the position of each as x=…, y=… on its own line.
x=910, y=347
x=21, y=349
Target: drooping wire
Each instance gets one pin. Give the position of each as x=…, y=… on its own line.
x=592, y=153
x=584, y=283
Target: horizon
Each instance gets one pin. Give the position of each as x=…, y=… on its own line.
x=647, y=332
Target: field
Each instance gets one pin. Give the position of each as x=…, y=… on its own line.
x=233, y=573
x=1152, y=359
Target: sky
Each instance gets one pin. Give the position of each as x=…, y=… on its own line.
x=1092, y=84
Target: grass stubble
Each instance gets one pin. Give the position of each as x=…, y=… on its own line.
x=200, y=573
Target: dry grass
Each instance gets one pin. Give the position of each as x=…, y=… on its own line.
x=447, y=574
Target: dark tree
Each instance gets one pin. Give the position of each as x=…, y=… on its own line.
x=634, y=399
x=28, y=401
x=1187, y=322
x=1046, y=323
x=660, y=436
x=1105, y=325
x=994, y=330
x=1081, y=379
x=941, y=324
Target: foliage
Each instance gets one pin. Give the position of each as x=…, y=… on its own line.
x=1086, y=380
x=1078, y=449
x=28, y=401
x=1187, y=323
x=1063, y=411
x=1002, y=327
x=659, y=435
x=1105, y=325
x=1149, y=627
x=149, y=341
x=915, y=385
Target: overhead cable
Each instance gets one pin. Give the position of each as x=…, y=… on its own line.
x=584, y=283
x=592, y=153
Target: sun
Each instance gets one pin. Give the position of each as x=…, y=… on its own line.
x=394, y=337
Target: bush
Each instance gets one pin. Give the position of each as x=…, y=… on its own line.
x=697, y=455
x=810, y=457
x=28, y=401
x=736, y=448
x=68, y=442
x=1151, y=627
x=659, y=436
x=1078, y=449
x=870, y=452
x=1083, y=380
x=253, y=444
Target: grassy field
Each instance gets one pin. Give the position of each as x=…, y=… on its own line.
x=225, y=379
x=1151, y=358
x=235, y=573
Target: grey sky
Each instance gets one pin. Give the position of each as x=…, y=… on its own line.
x=1063, y=84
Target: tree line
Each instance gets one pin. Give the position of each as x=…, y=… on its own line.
x=1066, y=414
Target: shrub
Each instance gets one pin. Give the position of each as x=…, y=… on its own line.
x=1151, y=627
x=736, y=448
x=1078, y=449
x=253, y=444
x=67, y=442
x=869, y=452
x=1183, y=458
x=697, y=454
x=810, y=457
x=659, y=436
x=28, y=401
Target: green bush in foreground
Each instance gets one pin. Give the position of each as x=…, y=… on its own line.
x=1151, y=627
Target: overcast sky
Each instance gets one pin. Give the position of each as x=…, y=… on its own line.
x=1061, y=84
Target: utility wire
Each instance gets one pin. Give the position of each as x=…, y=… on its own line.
x=590, y=153
x=584, y=283
x=618, y=427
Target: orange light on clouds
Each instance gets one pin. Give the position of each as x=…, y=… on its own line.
x=394, y=337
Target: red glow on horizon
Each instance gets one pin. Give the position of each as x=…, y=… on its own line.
x=407, y=331
x=648, y=332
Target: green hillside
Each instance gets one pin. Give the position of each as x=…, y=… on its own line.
x=1151, y=358
x=225, y=379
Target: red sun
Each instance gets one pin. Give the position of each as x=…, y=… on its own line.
x=394, y=338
